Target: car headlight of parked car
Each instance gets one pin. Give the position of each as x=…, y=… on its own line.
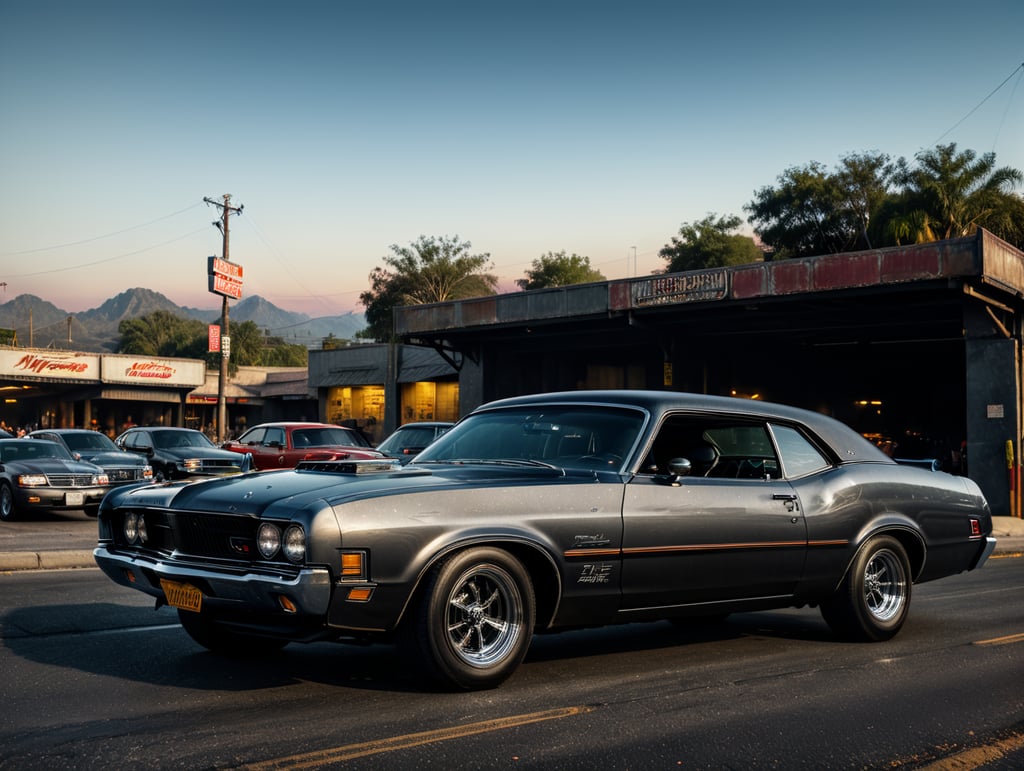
x=32, y=480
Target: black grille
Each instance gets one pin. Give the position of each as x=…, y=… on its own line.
x=125, y=474
x=218, y=465
x=196, y=534
x=210, y=535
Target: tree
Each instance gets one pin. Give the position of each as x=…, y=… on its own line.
x=950, y=194
x=812, y=211
x=160, y=333
x=710, y=244
x=559, y=269
x=429, y=270
x=864, y=181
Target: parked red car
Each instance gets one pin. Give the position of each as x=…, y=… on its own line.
x=283, y=445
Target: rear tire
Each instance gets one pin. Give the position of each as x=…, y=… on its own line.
x=474, y=620
x=873, y=600
x=205, y=630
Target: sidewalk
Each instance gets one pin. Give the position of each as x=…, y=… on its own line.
x=67, y=541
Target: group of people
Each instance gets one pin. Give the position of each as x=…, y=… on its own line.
x=18, y=431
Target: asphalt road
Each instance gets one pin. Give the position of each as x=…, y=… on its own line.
x=93, y=677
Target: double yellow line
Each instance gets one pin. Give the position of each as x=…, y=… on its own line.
x=352, y=751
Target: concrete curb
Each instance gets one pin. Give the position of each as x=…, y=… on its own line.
x=60, y=559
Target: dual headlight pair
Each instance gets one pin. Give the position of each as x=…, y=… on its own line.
x=270, y=540
x=292, y=542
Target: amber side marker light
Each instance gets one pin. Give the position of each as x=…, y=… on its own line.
x=352, y=564
x=360, y=594
x=287, y=604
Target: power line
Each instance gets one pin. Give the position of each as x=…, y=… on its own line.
x=98, y=238
x=105, y=259
x=1016, y=69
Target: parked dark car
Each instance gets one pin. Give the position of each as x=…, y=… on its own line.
x=42, y=476
x=122, y=467
x=411, y=439
x=548, y=512
x=181, y=453
x=282, y=445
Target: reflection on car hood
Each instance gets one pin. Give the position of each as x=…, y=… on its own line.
x=50, y=466
x=198, y=452
x=106, y=459
x=252, y=493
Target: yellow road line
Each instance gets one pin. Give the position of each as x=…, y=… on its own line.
x=976, y=757
x=362, y=749
x=1010, y=638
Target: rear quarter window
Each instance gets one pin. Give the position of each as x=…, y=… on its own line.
x=799, y=456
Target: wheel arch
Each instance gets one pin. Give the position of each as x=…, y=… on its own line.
x=904, y=531
x=535, y=559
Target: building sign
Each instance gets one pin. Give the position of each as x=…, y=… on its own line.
x=44, y=363
x=147, y=370
x=681, y=288
x=225, y=278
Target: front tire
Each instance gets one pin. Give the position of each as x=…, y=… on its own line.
x=205, y=630
x=873, y=600
x=8, y=513
x=474, y=621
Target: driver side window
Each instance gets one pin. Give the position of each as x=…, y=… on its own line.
x=712, y=446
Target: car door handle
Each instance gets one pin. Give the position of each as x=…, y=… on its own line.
x=789, y=498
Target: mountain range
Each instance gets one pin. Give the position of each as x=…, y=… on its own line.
x=41, y=324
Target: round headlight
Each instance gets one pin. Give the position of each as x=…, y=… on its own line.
x=131, y=527
x=295, y=543
x=141, y=527
x=268, y=540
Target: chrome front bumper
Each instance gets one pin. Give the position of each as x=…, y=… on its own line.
x=310, y=590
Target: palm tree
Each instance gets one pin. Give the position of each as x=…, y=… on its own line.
x=950, y=194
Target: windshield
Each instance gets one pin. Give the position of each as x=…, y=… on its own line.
x=328, y=437
x=582, y=437
x=31, y=449
x=89, y=440
x=184, y=438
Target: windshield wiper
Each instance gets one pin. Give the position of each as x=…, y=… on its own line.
x=517, y=462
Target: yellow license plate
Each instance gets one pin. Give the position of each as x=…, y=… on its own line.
x=184, y=596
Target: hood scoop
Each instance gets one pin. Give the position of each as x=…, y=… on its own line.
x=357, y=467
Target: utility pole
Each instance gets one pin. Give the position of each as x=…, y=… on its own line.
x=222, y=405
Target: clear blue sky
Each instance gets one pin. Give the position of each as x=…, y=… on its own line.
x=521, y=127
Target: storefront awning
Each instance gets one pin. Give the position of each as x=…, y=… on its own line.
x=141, y=395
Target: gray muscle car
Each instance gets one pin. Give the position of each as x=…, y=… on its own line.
x=547, y=512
